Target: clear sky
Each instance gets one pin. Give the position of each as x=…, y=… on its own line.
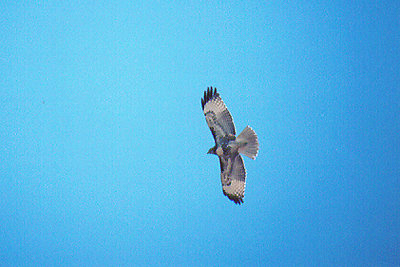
x=103, y=141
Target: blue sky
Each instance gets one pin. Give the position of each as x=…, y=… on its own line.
x=103, y=157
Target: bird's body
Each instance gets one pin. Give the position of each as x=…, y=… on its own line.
x=227, y=146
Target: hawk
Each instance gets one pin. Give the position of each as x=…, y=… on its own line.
x=228, y=147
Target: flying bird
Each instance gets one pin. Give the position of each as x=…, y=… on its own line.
x=228, y=147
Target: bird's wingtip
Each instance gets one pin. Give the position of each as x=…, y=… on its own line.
x=209, y=94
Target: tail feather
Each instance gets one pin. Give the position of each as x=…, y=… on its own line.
x=249, y=140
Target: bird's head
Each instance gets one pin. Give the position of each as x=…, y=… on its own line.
x=212, y=150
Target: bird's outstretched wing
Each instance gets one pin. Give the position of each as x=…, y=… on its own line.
x=217, y=115
x=233, y=178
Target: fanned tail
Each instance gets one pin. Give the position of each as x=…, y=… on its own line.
x=249, y=143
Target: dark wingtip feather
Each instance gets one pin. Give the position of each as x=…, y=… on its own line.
x=209, y=94
x=236, y=199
